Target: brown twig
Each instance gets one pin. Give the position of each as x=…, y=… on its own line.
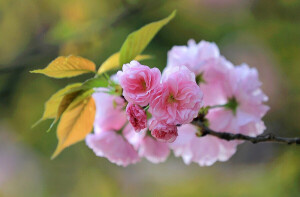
x=231, y=136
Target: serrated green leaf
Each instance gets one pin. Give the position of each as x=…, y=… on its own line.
x=137, y=41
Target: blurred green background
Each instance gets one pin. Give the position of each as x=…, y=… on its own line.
x=263, y=33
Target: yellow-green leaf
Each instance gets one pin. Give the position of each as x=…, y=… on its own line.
x=113, y=62
x=95, y=82
x=75, y=124
x=67, y=67
x=65, y=102
x=52, y=105
x=137, y=41
x=80, y=98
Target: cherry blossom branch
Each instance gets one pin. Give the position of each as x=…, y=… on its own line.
x=230, y=136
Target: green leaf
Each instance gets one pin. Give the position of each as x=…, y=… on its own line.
x=97, y=82
x=52, y=105
x=77, y=94
x=65, y=102
x=80, y=98
x=137, y=41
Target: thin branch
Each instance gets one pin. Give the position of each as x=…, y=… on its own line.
x=230, y=136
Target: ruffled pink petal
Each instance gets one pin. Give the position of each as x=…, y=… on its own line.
x=163, y=132
x=109, y=112
x=136, y=116
x=202, y=150
x=154, y=150
x=178, y=99
x=147, y=146
x=193, y=56
x=138, y=82
x=112, y=146
x=253, y=128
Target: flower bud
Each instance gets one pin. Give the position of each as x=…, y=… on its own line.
x=136, y=116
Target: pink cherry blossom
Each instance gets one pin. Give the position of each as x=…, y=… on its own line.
x=113, y=146
x=163, y=132
x=147, y=146
x=178, y=99
x=138, y=82
x=239, y=88
x=109, y=111
x=193, y=56
x=174, y=101
x=136, y=116
x=106, y=142
x=202, y=150
x=178, y=71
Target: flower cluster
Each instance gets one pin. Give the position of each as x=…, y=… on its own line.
x=121, y=145
x=236, y=88
x=154, y=112
x=173, y=99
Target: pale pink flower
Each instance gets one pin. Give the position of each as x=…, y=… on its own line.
x=113, y=146
x=109, y=111
x=181, y=72
x=136, y=116
x=193, y=56
x=239, y=88
x=253, y=128
x=147, y=146
x=163, y=132
x=138, y=82
x=202, y=150
x=106, y=142
x=178, y=99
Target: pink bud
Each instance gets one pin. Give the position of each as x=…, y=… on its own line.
x=163, y=132
x=136, y=116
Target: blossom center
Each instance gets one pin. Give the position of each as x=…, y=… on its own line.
x=171, y=99
x=143, y=83
x=200, y=79
x=232, y=104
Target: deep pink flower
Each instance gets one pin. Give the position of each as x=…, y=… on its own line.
x=178, y=99
x=138, y=82
x=193, y=56
x=113, y=146
x=136, y=116
x=163, y=132
x=109, y=111
x=146, y=145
